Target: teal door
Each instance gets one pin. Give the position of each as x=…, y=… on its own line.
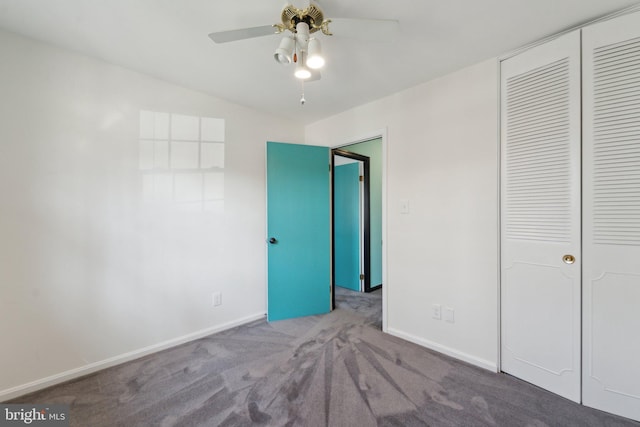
x=346, y=199
x=298, y=227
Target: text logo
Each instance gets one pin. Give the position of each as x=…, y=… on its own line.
x=34, y=415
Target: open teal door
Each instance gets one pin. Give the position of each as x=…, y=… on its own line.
x=298, y=227
x=346, y=211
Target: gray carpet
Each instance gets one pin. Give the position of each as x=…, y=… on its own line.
x=333, y=370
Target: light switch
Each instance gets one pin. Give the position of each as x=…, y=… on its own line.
x=404, y=206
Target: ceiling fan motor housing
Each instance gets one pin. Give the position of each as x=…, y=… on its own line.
x=312, y=16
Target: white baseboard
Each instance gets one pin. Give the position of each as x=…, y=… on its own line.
x=23, y=389
x=481, y=363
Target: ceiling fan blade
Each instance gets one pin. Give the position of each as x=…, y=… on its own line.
x=365, y=29
x=243, y=33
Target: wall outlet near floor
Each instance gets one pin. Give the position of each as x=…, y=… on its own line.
x=449, y=314
x=217, y=299
x=437, y=311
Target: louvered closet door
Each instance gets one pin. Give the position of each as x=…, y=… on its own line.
x=611, y=165
x=540, y=216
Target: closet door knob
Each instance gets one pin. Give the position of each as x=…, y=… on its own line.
x=568, y=259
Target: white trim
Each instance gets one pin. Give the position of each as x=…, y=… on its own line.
x=385, y=245
x=476, y=361
x=71, y=374
x=526, y=47
x=368, y=136
x=499, y=217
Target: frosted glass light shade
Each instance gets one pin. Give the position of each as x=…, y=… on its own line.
x=315, y=59
x=302, y=72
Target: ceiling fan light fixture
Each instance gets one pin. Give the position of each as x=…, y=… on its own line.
x=302, y=71
x=315, y=60
x=284, y=52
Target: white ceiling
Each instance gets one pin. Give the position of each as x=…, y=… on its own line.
x=168, y=39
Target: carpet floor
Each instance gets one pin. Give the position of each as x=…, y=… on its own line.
x=337, y=369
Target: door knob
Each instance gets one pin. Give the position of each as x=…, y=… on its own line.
x=273, y=240
x=569, y=259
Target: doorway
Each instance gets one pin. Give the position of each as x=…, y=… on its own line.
x=371, y=149
x=351, y=221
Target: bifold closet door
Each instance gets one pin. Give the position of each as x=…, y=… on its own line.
x=540, y=216
x=611, y=165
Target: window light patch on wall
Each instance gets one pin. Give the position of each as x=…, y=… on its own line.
x=181, y=159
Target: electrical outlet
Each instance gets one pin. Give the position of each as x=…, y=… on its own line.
x=437, y=311
x=449, y=314
x=217, y=299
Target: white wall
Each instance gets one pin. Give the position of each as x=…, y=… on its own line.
x=442, y=155
x=91, y=272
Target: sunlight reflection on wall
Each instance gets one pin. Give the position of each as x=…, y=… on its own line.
x=182, y=161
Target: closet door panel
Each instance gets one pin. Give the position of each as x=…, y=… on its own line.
x=611, y=192
x=540, y=216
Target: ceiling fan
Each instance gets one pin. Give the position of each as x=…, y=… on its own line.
x=299, y=46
